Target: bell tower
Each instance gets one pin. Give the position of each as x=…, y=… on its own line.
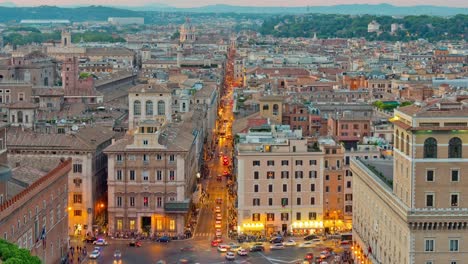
x=66, y=38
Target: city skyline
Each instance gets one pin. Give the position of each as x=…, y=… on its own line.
x=185, y=3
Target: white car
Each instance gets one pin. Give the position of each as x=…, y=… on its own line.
x=324, y=254
x=230, y=256
x=117, y=254
x=218, y=209
x=95, y=254
x=223, y=248
x=277, y=246
x=100, y=242
x=218, y=222
x=307, y=244
x=242, y=252
x=290, y=243
x=218, y=233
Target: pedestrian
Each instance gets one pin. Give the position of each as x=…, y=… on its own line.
x=79, y=259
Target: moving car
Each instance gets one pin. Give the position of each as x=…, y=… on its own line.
x=218, y=217
x=134, y=243
x=290, y=243
x=117, y=254
x=218, y=233
x=242, y=252
x=163, y=239
x=219, y=200
x=277, y=246
x=218, y=209
x=325, y=254
x=219, y=178
x=307, y=244
x=276, y=240
x=257, y=248
x=223, y=248
x=309, y=256
x=217, y=225
x=215, y=243
x=310, y=237
x=230, y=256
x=95, y=254
x=100, y=242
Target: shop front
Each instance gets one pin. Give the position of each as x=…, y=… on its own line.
x=303, y=228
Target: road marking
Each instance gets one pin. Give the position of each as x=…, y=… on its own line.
x=273, y=261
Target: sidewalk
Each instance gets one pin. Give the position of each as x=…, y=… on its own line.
x=78, y=250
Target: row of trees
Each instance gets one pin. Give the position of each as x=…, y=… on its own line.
x=345, y=26
x=11, y=254
x=34, y=37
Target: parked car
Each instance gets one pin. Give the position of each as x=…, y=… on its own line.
x=257, y=248
x=100, y=242
x=117, y=254
x=230, y=256
x=134, y=243
x=290, y=243
x=95, y=254
x=242, y=252
x=277, y=246
x=164, y=239
x=276, y=240
x=307, y=244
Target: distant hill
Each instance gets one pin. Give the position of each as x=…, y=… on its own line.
x=149, y=12
x=353, y=9
x=88, y=13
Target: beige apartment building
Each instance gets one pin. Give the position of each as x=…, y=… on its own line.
x=151, y=176
x=280, y=182
x=414, y=209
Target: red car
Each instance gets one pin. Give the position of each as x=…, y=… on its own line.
x=216, y=242
x=225, y=173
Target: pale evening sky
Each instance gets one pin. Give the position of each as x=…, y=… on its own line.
x=192, y=3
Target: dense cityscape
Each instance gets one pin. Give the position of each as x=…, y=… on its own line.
x=191, y=136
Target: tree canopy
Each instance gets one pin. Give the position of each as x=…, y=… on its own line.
x=431, y=28
x=11, y=254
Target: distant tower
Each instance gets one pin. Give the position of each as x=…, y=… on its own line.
x=315, y=36
x=70, y=72
x=187, y=32
x=66, y=38
x=179, y=56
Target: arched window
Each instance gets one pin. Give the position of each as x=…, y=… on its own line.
x=46, y=81
x=402, y=142
x=162, y=107
x=455, y=148
x=407, y=145
x=275, y=109
x=430, y=148
x=149, y=108
x=137, y=108
x=266, y=107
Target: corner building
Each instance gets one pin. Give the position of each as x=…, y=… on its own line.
x=279, y=179
x=414, y=209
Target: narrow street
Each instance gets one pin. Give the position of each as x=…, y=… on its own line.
x=219, y=162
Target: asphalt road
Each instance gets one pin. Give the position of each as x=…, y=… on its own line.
x=196, y=251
